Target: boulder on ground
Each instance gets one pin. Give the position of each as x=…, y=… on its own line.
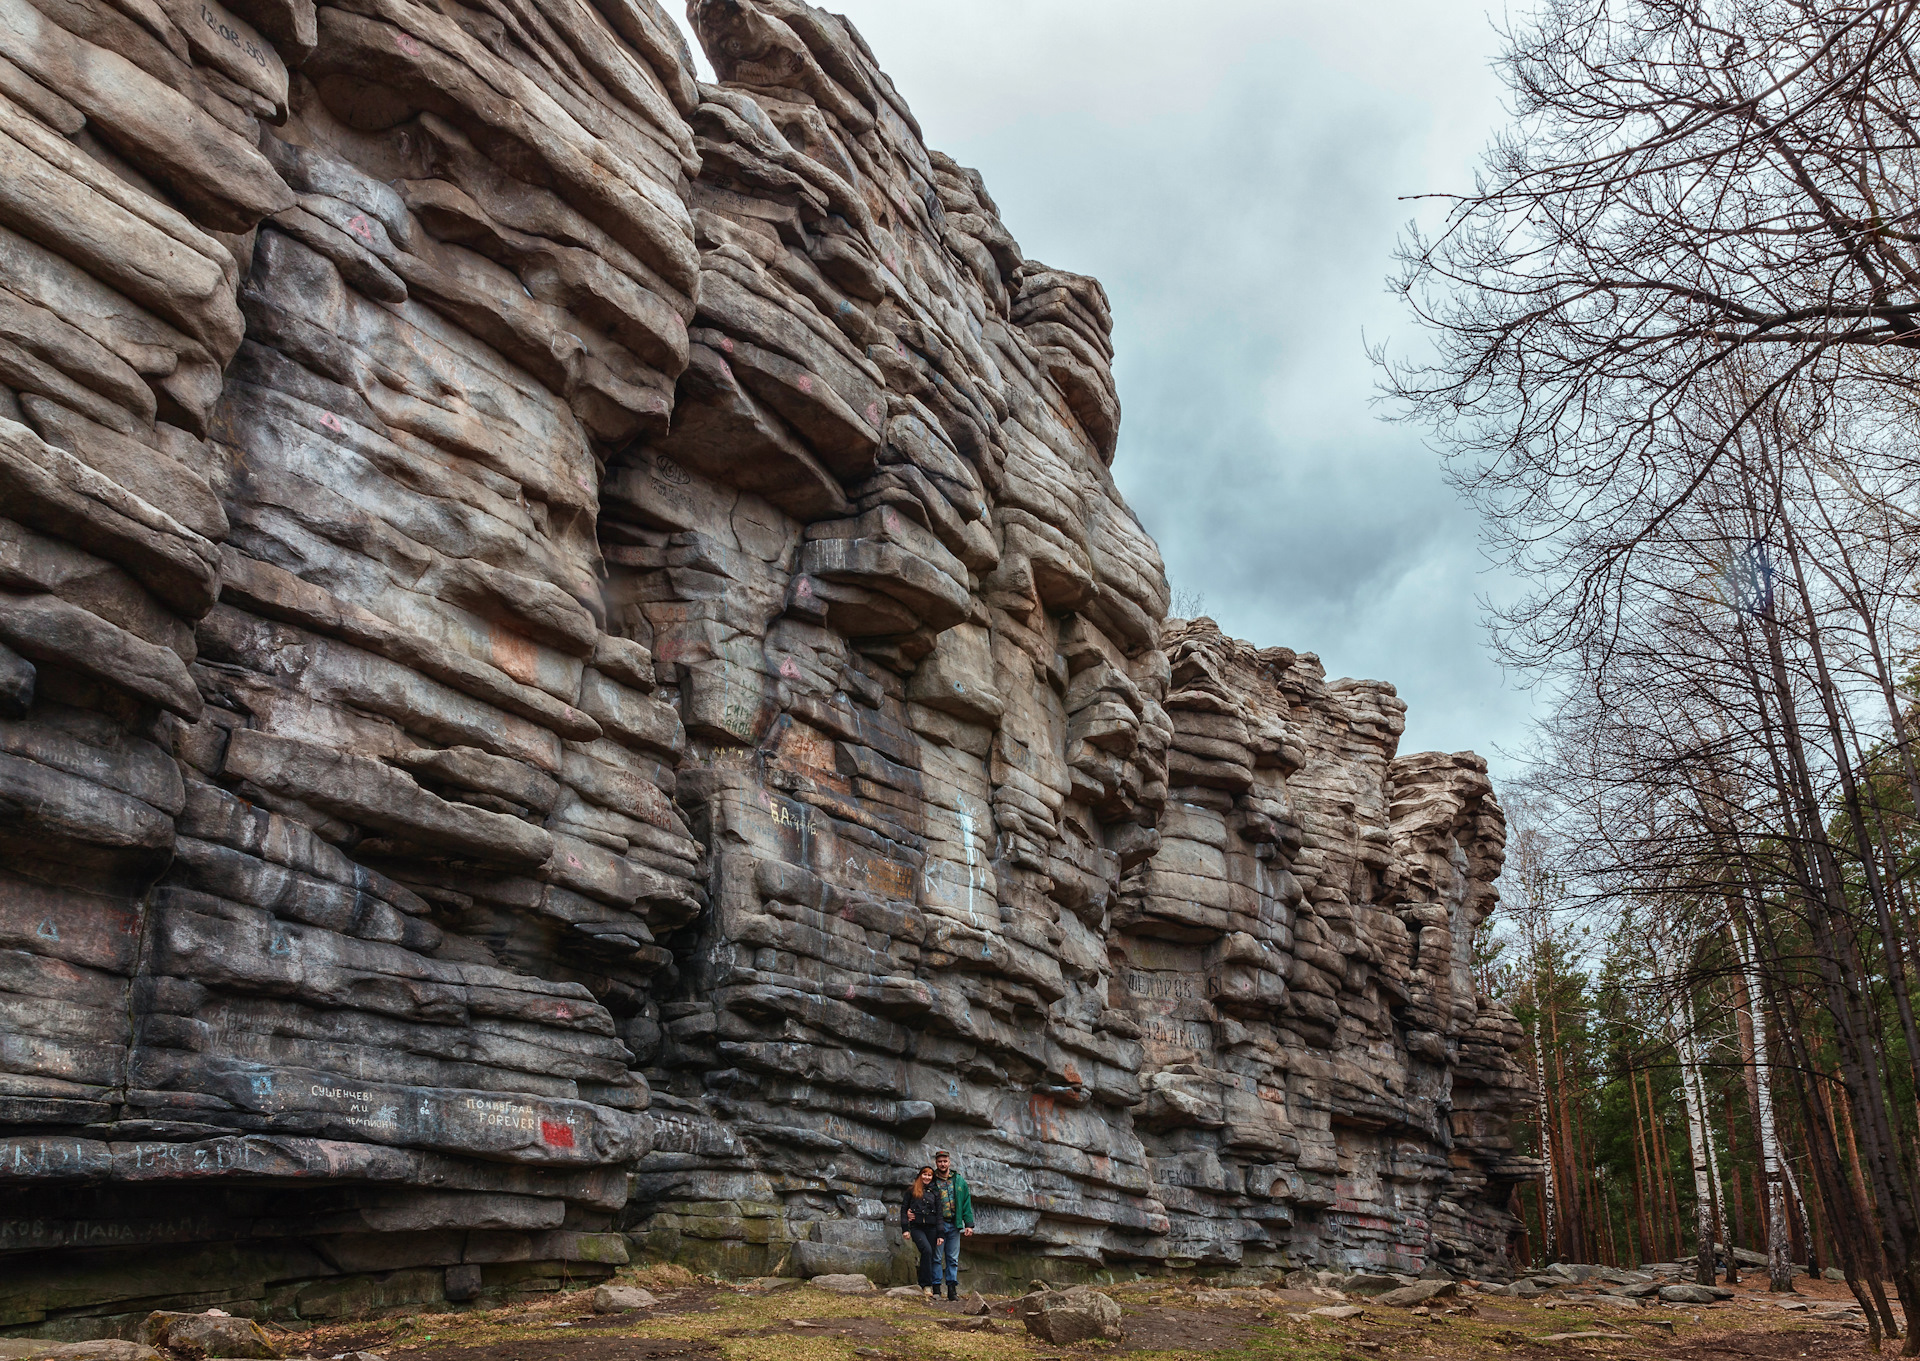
x=1061, y=1318
x=617, y=1299
x=766, y=1285
x=1693, y=1294
x=211, y=1334
x=1419, y=1293
x=1373, y=1283
x=103, y=1349
x=1337, y=1312
x=845, y=1283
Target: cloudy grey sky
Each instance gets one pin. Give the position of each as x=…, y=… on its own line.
x=1230, y=170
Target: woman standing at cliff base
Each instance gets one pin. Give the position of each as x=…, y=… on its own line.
x=920, y=1225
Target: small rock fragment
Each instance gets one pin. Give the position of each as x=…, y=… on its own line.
x=1418, y=1293
x=617, y=1299
x=844, y=1283
x=1693, y=1294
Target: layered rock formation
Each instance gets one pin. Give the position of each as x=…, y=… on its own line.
x=573, y=678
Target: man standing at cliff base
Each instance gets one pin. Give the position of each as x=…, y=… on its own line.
x=956, y=1220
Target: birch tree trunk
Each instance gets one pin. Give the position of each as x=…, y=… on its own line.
x=1547, y=1208
x=1773, y=1168
x=1703, y=1205
x=1722, y=1224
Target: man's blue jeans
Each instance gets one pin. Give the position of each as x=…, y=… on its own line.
x=946, y=1261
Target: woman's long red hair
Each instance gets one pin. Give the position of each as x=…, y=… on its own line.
x=920, y=1185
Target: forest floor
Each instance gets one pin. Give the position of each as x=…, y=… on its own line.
x=1163, y=1321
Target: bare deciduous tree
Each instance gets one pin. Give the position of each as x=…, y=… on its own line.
x=1676, y=363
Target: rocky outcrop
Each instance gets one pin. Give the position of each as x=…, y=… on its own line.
x=573, y=680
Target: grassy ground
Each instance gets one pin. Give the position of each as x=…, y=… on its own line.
x=1165, y=1321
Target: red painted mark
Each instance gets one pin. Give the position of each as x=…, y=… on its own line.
x=873, y=412
x=360, y=227
x=556, y=1136
x=726, y=343
x=332, y=422
x=1042, y=1110
x=407, y=43
x=805, y=383
x=519, y=657
x=788, y=669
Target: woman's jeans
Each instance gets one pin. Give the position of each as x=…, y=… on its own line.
x=948, y=1266
x=929, y=1256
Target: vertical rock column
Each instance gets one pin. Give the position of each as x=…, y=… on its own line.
x=339, y=820
x=1323, y=1085
x=913, y=627
x=130, y=184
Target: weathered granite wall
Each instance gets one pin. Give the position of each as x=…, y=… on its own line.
x=573, y=677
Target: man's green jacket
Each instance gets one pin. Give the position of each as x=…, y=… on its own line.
x=956, y=1201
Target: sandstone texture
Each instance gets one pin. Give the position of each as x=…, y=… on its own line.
x=208, y=1334
x=616, y=1299
x=574, y=684
x=1064, y=1317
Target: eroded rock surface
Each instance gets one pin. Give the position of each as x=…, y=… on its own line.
x=573, y=676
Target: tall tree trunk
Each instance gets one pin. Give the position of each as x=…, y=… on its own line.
x=1642, y=1170
x=1548, y=1226
x=1703, y=1209
x=1760, y=1093
x=1675, y=1245
x=1860, y=1066
x=1729, y=1177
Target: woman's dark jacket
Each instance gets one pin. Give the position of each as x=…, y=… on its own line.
x=924, y=1212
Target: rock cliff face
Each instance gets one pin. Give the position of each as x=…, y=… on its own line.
x=573, y=679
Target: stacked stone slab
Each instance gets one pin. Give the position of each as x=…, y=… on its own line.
x=573, y=676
